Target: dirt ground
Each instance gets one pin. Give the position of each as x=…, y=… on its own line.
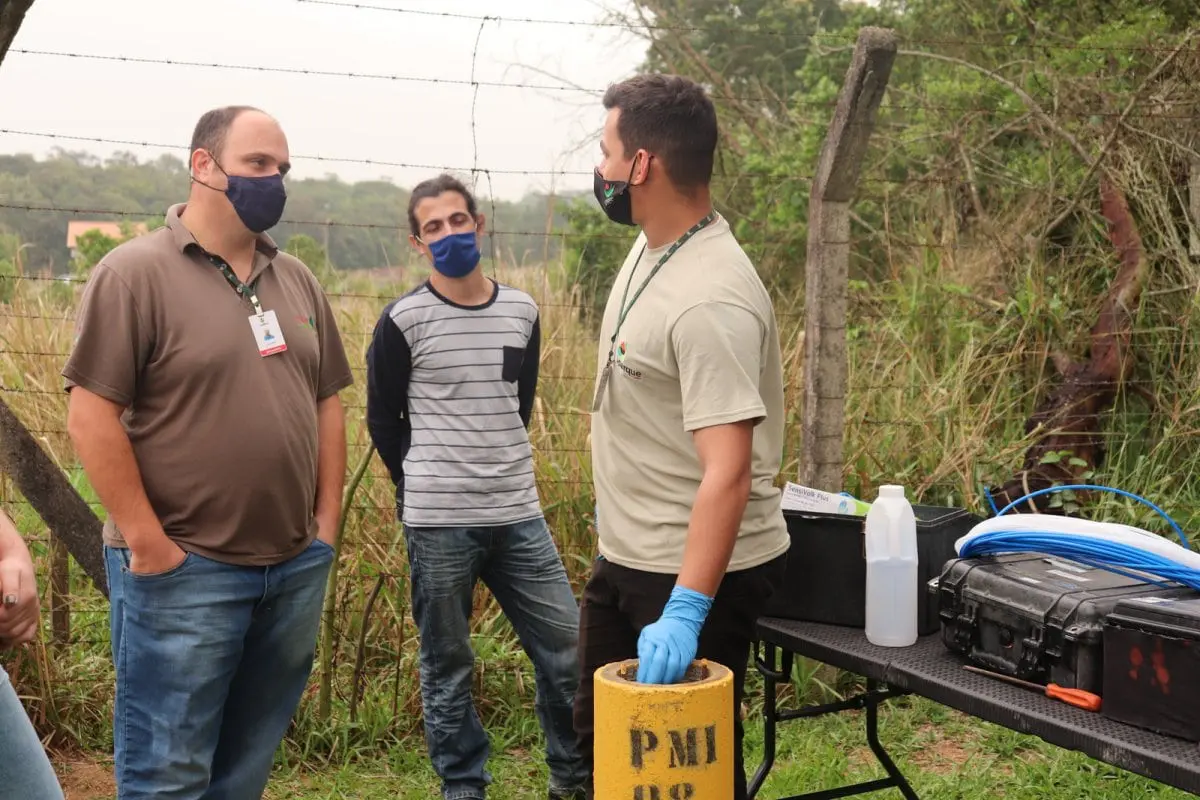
x=83, y=777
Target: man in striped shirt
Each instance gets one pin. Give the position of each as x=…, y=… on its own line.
x=451, y=373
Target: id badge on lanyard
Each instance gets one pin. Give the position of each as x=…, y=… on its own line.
x=268, y=336
x=267, y=333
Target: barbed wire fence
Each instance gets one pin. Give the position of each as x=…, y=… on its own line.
x=889, y=406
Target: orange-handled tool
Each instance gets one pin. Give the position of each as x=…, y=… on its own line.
x=1080, y=698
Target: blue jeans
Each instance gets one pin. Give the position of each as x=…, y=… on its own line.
x=522, y=567
x=25, y=771
x=211, y=661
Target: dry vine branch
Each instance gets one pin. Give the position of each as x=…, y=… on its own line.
x=1030, y=103
x=1116, y=132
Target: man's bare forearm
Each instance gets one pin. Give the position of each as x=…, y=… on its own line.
x=107, y=456
x=331, y=459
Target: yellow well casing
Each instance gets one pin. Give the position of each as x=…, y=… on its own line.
x=664, y=742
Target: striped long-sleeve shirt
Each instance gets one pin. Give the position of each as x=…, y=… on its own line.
x=450, y=391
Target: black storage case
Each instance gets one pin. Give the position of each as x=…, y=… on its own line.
x=1152, y=665
x=826, y=577
x=1034, y=616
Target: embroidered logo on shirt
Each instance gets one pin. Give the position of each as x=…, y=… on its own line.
x=307, y=322
x=621, y=351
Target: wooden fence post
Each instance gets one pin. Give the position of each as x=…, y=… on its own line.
x=40, y=481
x=60, y=592
x=828, y=259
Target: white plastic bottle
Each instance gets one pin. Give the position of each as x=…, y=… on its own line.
x=892, y=584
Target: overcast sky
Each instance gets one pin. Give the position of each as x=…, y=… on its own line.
x=358, y=118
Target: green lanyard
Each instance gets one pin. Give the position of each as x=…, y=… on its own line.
x=249, y=291
x=625, y=308
x=699, y=226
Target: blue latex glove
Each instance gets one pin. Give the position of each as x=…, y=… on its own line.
x=666, y=647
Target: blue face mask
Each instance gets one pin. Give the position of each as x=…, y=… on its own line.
x=258, y=201
x=456, y=255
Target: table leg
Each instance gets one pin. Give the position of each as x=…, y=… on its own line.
x=869, y=700
x=896, y=778
x=772, y=677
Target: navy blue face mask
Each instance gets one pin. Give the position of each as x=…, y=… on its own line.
x=258, y=201
x=456, y=255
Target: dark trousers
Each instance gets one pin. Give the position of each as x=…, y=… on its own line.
x=618, y=602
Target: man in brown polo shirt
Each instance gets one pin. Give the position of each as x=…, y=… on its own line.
x=203, y=405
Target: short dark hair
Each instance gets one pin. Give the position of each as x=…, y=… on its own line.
x=212, y=129
x=673, y=118
x=433, y=187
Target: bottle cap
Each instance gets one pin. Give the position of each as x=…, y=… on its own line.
x=892, y=492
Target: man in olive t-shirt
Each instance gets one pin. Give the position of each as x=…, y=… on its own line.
x=203, y=405
x=687, y=419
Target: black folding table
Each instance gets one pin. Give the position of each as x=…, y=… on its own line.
x=930, y=670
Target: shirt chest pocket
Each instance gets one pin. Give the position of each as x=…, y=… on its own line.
x=512, y=361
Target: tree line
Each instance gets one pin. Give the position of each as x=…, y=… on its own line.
x=373, y=232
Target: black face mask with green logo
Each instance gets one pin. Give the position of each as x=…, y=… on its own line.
x=614, y=197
